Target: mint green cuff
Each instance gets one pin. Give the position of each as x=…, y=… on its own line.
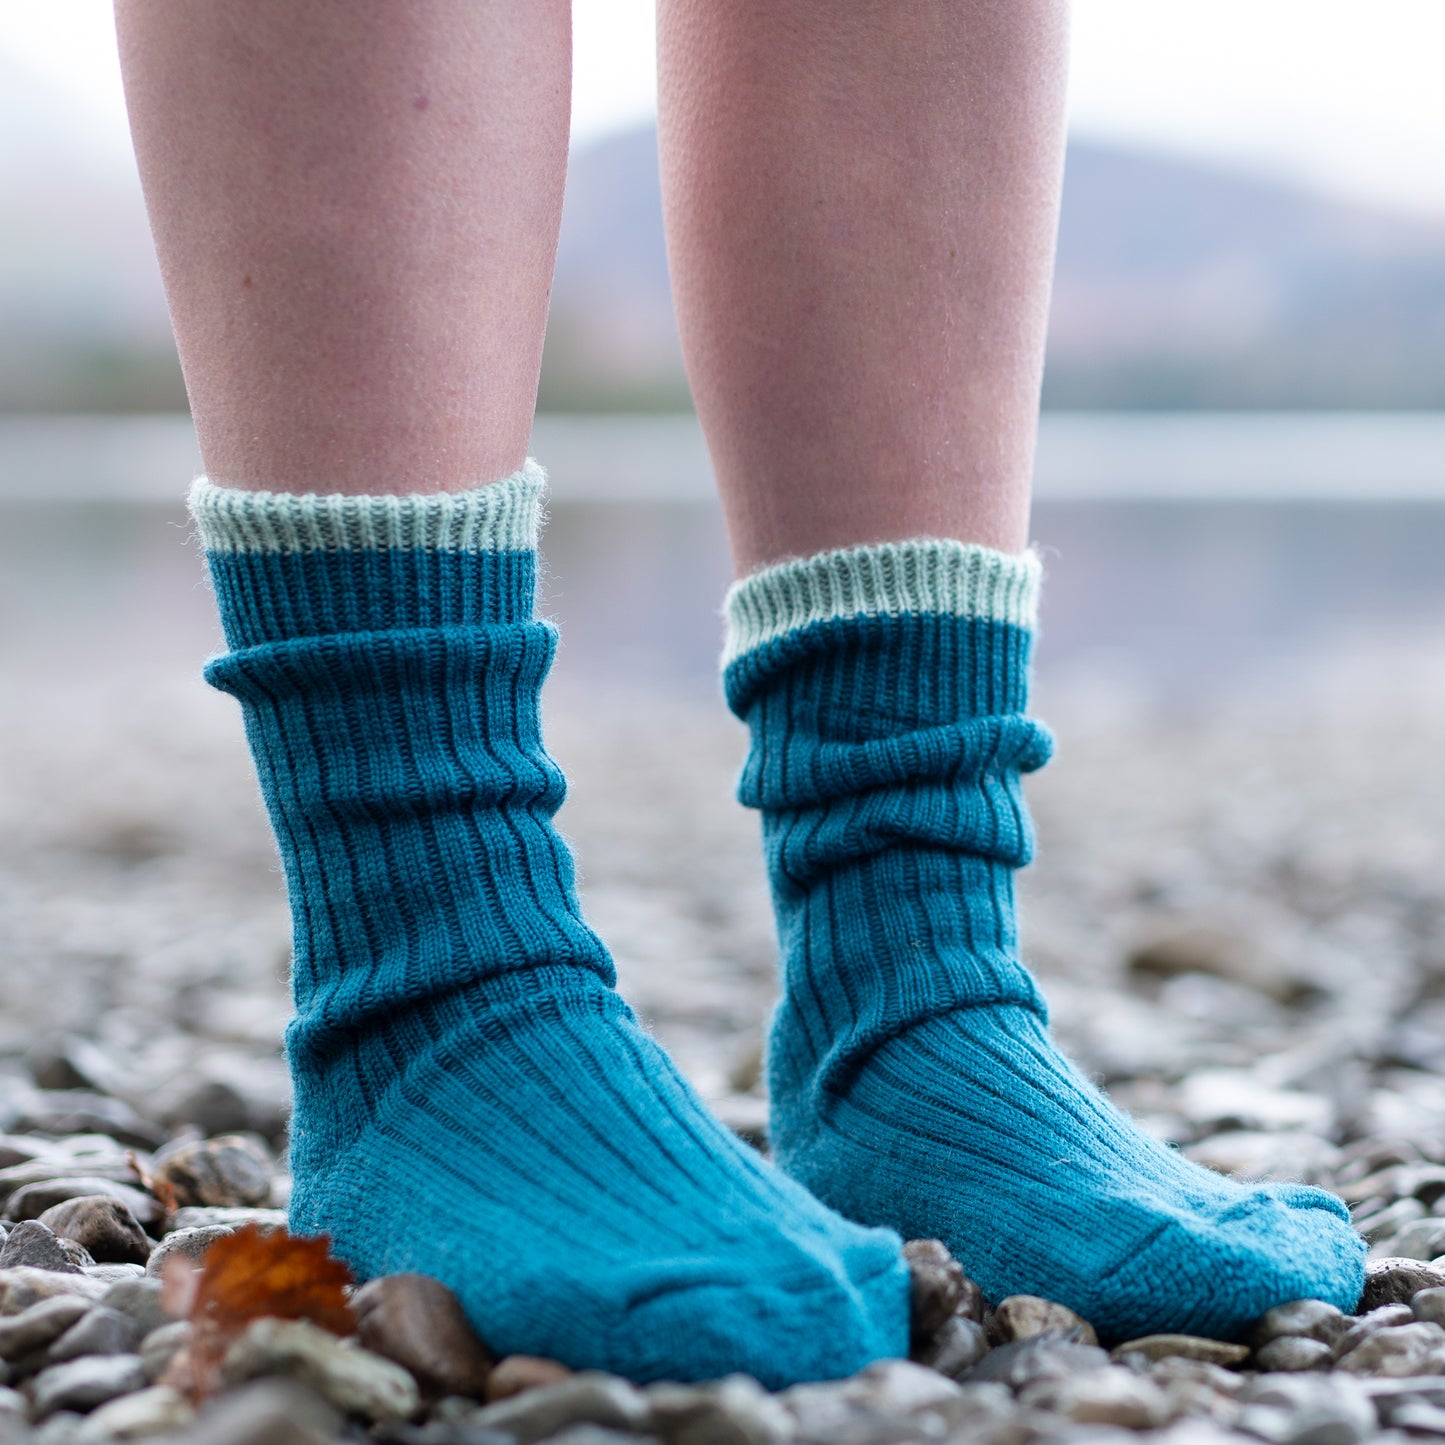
x=927, y=574
x=504, y=516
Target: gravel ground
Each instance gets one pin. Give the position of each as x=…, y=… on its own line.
x=1240, y=919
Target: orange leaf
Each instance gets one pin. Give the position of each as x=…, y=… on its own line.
x=247, y=1276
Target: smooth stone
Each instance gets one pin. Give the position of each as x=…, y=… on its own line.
x=1413, y=1349
x=1293, y=1352
x=100, y=1331
x=1424, y=1240
x=599, y=1435
x=1191, y=1347
x=22, y=1286
x=79, y=1111
x=230, y=1172
x=939, y=1289
x=1416, y=1418
x=188, y=1244
x=115, y=1273
x=201, y=1216
x=1021, y=1316
x=956, y=1348
x=21, y=1149
x=66, y=1062
x=356, y=1381
x=104, y=1225
x=588, y=1396
x=36, y=1245
x=1385, y=1318
x=1323, y=1409
x=1177, y=1369
x=1429, y=1305
x=1044, y=1357
x=213, y=1106
x=516, y=1374
x=898, y=1387
x=161, y=1345
x=266, y=1412
x=157, y=1410
x=13, y=1406
x=141, y=1300
x=83, y=1384
x=1102, y=1397
x=1311, y=1319
x=1397, y=1281
x=417, y=1322
x=34, y=1328
x=53, y=1162
x=733, y=1411
x=32, y=1200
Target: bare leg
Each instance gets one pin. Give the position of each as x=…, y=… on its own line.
x=355, y=203
x=861, y=207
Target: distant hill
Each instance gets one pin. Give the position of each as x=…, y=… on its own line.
x=1178, y=285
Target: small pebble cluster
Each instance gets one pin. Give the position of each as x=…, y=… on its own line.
x=92, y=1222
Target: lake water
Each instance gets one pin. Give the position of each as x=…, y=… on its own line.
x=1189, y=558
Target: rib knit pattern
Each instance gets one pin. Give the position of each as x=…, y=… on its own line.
x=914, y=1082
x=472, y=1099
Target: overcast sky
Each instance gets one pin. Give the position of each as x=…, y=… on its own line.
x=1340, y=94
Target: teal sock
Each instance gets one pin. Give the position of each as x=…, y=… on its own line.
x=472, y=1099
x=914, y=1083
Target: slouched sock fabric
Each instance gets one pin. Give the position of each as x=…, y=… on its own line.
x=913, y=1079
x=472, y=1099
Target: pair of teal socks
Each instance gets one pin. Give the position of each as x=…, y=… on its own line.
x=475, y=1101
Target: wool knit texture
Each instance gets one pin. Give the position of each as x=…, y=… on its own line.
x=472, y=1099
x=913, y=1079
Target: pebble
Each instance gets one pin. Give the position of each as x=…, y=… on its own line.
x=85, y=1383
x=1293, y=1352
x=32, y=1200
x=99, y=1331
x=1322, y=1410
x=1397, y=1281
x=1044, y=1357
x=161, y=1345
x=1412, y=1349
x=266, y=1412
x=188, y=1244
x=733, y=1411
x=201, y=1216
x=104, y=1225
x=141, y=1300
x=1311, y=1319
x=226, y=1173
x=1424, y=1239
x=1190, y=1347
x=589, y=1396
x=355, y=1381
x=79, y=1111
x=956, y=1348
x=1384, y=1318
x=1111, y=1396
x=35, y=1244
x=157, y=1410
x=22, y=1286
x=940, y=1289
x=34, y=1328
x=516, y=1374
x=898, y=1386
x=1021, y=1316
x=417, y=1322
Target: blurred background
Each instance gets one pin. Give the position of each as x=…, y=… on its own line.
x=1240, y=501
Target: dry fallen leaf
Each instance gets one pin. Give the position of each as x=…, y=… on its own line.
x=247, y=1276
x=161, y=1188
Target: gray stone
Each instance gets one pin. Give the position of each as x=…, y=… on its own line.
x=940, y=1289
x=266, y=1412
x=34, y=1328
x=1021, y=1316
x=188, y=1244
x=356, y=1381
x=733, y=1411
x=101, y=1331
x=141, y=1300
x=516, y=1374
x=109, y=1274
x=22, y=1286
x=898, y=1387
x=417, y=1322
x=1311, y=1319
x=160, y=1345
x=199, y=1216
x=1191, y=1347
x=36, y=1245
x=1413, y=1349
x=1429, y=1305
x=1424, y=1239
x=158, y=1410
x=1385, y=1318
x=599, y=1435
x=1293, y=1352
x=1102, y=1397
x=79, y=1111
x=228, y=1173
x=587, y=1397
x=1044, y=1357
x=956, y=1348
x=1323, y=1409
x=85, y=1383
x=32, y=1200
x=1397, y=1281
x=104, y=1225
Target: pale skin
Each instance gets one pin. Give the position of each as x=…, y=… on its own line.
x=355, y=204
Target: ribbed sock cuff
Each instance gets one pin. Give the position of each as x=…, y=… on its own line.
x=287, y=565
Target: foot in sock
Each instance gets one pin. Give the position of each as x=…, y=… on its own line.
x=913, y=1080
x=473, y=1100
